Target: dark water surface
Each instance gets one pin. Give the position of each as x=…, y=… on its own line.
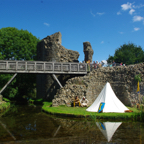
x=27, y=124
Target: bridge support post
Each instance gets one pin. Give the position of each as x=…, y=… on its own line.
x=54, y=76
x=8, y=83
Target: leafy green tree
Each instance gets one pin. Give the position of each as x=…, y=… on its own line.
x=128, y=54
x=17, y=45
x=110, y=59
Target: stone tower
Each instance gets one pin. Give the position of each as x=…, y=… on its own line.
x=47, y=48
x=88, y=51
x=50, y=49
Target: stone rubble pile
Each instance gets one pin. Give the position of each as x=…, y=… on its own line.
x=121, y=79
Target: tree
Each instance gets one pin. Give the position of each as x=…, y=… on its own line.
x=128, y=54
x=17, y=45
x=110, y=59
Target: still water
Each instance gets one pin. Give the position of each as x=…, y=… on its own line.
x=27, y=124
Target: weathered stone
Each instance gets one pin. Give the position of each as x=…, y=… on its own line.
x=88, y=51
x=50, y=49
x=122, y=82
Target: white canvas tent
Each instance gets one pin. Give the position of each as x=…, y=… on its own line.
x=108, y=129
x=112, y=103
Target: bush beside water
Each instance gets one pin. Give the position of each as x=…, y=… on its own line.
x=4, y=106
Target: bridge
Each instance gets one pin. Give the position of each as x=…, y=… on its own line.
x=40, y=67
x=8, y=66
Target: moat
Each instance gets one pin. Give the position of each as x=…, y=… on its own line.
x=28, y=124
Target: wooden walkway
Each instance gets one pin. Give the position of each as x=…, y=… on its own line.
x=42, y=67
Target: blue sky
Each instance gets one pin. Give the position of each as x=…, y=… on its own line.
x=106, y=24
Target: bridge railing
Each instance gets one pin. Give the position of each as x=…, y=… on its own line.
x=39, y=66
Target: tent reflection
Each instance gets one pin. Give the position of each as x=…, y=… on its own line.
x=108, y=128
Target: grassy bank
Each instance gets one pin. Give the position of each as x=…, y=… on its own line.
x=136, y=115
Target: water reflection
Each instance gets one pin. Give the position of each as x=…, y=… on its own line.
x=30, y=125
x=108, y=128
x=4, y=126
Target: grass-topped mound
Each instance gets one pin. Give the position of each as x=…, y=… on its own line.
x=81, y=112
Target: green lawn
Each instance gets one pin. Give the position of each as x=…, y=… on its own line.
x=79, y=111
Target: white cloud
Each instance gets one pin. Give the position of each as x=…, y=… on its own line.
x=136, y=29
x=47, y=24
x=138, y=6
x=102, y=42
x=137, y=18
x=126, y=6
x=92, y=13
x=132, y=8
x=131, y=11
x=100, y=13
x=121, y=32
x=118, y=13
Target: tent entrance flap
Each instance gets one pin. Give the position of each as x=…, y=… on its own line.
x=101, y=107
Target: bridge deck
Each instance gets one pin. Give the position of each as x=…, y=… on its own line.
x=8, y=66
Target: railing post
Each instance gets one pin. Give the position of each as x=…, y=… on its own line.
x=16, y=65
x=53, y=66
x=26, y=66
x=35, y=66
x=70, y=66
x=7, y=65
x=61, y=67
x=78, y=66
x=44, y=66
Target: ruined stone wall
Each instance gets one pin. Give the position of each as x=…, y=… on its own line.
x=50, y=49
x=88, y=51
x=121, y=79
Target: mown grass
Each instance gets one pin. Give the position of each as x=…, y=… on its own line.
x=81, y=112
